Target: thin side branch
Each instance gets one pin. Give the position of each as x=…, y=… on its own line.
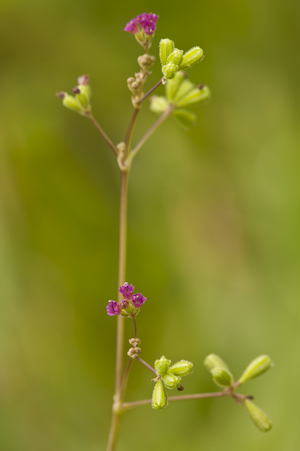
x=150, y=91
x=100, y=129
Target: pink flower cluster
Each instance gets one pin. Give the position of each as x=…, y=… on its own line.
x=137, y=300
x=146, y=21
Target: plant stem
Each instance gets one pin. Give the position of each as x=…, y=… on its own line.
x=100, y=129
x=117, y=406
x=152, y=129
x=130, y=129
x=150, y=91
x=147, y=365
x=130, y=405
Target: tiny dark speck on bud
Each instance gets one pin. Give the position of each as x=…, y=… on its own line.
x=76, y=90
x=180, y=388
x=201, y=86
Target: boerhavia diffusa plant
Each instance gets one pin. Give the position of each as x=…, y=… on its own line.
x=180, y=93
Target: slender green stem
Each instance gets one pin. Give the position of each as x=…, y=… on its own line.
x=130, y=129
x=150, y=91
x=151, y=130
x=135, y=327
x=117, y=407
x=100, y=129
x=238, y=397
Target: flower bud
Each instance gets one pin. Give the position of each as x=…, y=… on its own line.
x=173, y=84
x=161, y=366
x=185, y=87
x=170, y=380
x=158, y=104
x=257, y=367
x=214, y=361
x=259, y=418
x=195, y=96
x=169, y=70
x=181, y=368
x=175, y=57
x=71, y=103
x=185, y=118
x=222, y=377
x=159, y=396
x=166, y=47
x=191, y=57
x=135, y=342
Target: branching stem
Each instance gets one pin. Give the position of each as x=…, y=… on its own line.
x=100, y=129
x=150, y=91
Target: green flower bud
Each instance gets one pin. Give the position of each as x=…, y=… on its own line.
x=173, y=84
x=256, y=368
x=162, y=365
x=214, y=361
x=191, y=57
x=169, y=70
x=222, y=377
x=159, y=396
x=166, y=47
x=158, y=104
x=259, y=418
x=175, y=57
x=170, y=380
x=186, y=118
x=195, y=96
x=71, y=103
x=181, y=368
x=185, y=87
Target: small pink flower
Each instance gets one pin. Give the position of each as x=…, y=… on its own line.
x=113, y=308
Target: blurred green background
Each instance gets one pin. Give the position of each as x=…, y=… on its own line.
x=214, y=219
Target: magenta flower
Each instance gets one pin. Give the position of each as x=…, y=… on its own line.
x=132, y=27
x=113, y=308
x=138, y=300
x=127, y=290
x=146, y=21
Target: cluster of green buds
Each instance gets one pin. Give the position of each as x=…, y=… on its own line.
x=80, y=102
x=223, y=378
x=172, y=59
x=180, y=92
x=168, y=377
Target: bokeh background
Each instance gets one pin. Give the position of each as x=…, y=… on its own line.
x=214, y=220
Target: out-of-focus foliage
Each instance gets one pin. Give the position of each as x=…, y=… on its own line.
x=214, y=223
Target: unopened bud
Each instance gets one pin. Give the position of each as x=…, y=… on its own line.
x=166, y=47
x=191, y=57
x=258, y=416
x=257, y=367
x=214, y=361
x=186, y=118
x=71, y=103
x=170, y=380
x=173, y=84
x=175, y=57
x=195, y=96
x=169, y=70
x=135, y=342
x=84, y=80
x=158, y=104
x=161, y=366
x=222, y=377
x=159, y=396
x=181, y=368
x=124, y=304
x=184, y=88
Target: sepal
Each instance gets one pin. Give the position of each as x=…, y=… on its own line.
x=186, y=118
x=158, y=104
x=170, y=380
x=214, y=361
x=257, y=367
x=166, y=47
x=159, y=396
x=191, y=57
x=181, y=368
x=223, y=378
x=162, y=365
x=196, y=95
x=261, y=420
